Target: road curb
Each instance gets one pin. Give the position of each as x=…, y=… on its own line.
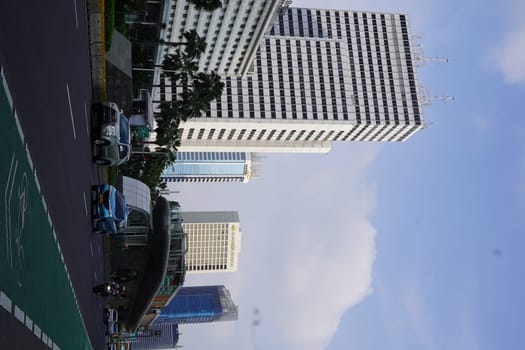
x=97, y=49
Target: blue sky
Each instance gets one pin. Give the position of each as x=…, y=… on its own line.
x=416, y=245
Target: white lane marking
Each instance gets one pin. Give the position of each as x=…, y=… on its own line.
x=19, y=128
x=87, y=119
x=37, y=331
x=71, y=112
x=91, y=248
x=7, y=92
x=99, y=250
x=29, y=323
x=76, y=14
x=85, y=203
x=37, y=182
x=19, y=314
x=29, y=159
x=96, y=276
x=7, y=199
x=6, y=303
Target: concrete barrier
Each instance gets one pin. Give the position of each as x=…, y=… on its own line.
x=97, y=49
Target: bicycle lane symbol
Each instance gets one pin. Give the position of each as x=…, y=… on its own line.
x=15, y=206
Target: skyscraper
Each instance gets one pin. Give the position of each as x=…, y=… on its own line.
x=211, y=167
x=319, y=76
x=233, y=31
x=160, y=336
x=200, y=304
x=213, y=241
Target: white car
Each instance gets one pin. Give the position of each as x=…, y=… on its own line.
x=111, y=134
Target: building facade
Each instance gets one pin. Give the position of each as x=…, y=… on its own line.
x=319, y=76
x=233, y=31
x=201, y=304
x=162, y=336
x=210, y=167
x=213, y=241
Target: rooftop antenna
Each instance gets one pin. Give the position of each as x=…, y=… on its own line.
x=419, y=55
x=427, y=99
x=422, y=61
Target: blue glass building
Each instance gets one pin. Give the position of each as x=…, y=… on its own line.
x=210, y=167
x=201, y=304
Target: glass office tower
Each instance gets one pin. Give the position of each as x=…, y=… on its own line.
x=202, y=304
x=210, y=167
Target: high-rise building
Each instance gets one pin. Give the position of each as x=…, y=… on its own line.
x=213, y=241
x=161, y=336
x=233, y=31
x=200, y=304
x=211, y=167
x=319, y=76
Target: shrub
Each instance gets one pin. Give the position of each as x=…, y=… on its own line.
x=109, y=22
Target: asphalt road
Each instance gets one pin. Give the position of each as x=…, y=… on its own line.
x=44, y=53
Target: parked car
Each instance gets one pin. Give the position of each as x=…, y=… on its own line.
x=111, y=134
x=110, y=210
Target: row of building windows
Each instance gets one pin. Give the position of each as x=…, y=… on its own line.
x=323, y=23
x=200, y=178
x=199, y=156
x=371, y=90
x=213, y=267
x=193, y=19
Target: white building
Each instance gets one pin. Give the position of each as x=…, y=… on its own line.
x=319, y=76
x=213, y=241
x=232, y=32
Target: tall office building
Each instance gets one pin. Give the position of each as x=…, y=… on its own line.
x=211, y=167
x=319, y=76
x=202, y=304
x=161, y=336
x=233, y=31
x=213, y=241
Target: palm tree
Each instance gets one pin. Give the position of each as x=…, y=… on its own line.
x=206, y=87
x=195, y=44
x=207, y=5
x=179, y=66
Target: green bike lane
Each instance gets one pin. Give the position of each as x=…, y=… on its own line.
x=35, y=287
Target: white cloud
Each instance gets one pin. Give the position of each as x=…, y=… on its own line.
x=328, y=253
x=307, y=253
x=481, y=123
x=510, y=56
x=418, y=317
